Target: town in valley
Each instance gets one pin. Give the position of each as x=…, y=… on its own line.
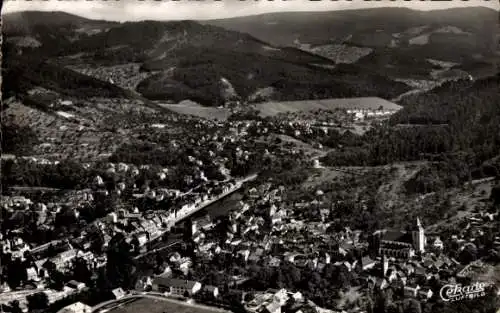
x=234, y=165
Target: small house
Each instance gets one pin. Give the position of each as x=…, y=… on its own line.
x=77, y=307
x=425, y=293
x=73, y=284
x=411, y=291
x=367, y=263
x=118, y=293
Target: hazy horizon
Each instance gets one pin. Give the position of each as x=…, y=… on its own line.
x=133, y=10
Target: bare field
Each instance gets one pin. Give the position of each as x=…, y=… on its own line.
x=390, y=192
x=273, y=107
x=325, y=174
x=158, y=306
x=211, y=113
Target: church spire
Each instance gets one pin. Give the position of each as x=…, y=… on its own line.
x=418, y=235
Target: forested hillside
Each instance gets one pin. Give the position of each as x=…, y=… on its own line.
x=457, y=126
x=180, y=60
x=198, y=73
x=450, y=34
x=22, y=74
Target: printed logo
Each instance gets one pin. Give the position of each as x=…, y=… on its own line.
x=452, y=293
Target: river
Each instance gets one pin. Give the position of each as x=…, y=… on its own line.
x=221, y=207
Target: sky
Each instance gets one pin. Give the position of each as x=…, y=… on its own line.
x=134, y=10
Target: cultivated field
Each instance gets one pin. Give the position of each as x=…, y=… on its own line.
x=191, y=108
x=370, y=103
x=340, y=53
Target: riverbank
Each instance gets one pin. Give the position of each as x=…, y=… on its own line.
x=205, y=204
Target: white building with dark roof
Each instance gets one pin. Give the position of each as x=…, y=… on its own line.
x=179, y=287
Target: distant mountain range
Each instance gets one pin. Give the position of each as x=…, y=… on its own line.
x=390, y=40
x=279, y=56
x=472, y=28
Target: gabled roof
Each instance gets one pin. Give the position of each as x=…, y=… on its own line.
x=172, y=282
x=428, y=263
x=273, y=307
x=398, y=236
x=420, y=270
x=73, y=283
x=76, y=307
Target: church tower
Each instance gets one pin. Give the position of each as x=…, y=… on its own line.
x=418, y=236
x=385, y=265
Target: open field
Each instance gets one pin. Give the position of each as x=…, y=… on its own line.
x=274, y=107
x=370, y=103
x=339, y=53
x=285, y=140
x=212, y=113
x=152, y=305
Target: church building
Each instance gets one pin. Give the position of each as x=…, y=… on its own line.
x=401, y=244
